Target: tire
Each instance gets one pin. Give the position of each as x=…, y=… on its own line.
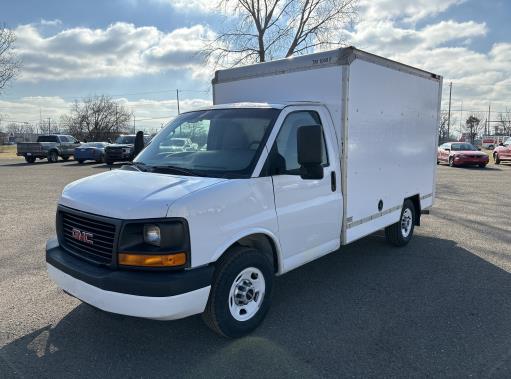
x=246, y=275
x=451, y=161
x=497, y=159
x=53, y=156
x=80, y=161
x=110, y=163
x=400, y=233
x=482, y=165
x=101, y=159
x=65, y=157
x=30, y=159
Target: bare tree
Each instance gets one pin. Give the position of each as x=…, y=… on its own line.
x=473, y=127
x=262, y=30
x=503, y=127
x=9, y=63
x=97, y=119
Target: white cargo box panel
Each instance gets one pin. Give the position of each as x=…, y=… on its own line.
x=385, y=114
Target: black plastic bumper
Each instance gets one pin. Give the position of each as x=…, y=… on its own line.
x=141, y=283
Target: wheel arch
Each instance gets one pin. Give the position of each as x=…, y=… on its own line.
x=415, y=199
x=262, y=240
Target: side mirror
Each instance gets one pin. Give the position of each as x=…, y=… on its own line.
x=310, y=151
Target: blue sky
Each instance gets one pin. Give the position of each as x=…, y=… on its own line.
x=139, y=51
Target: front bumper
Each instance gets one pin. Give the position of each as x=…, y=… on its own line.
x=471, y=161
x=159, y=295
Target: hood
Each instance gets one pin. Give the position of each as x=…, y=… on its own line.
x=130, y=194
x=119, y=145
x=470, y=152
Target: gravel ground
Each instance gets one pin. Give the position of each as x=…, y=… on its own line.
x=441, y=306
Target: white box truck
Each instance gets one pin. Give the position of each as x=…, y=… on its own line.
x=296, y=158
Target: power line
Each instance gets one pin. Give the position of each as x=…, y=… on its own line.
x=117, y=95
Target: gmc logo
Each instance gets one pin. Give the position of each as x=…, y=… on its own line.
x=82, y=236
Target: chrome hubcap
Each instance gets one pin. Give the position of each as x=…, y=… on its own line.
x=406, y=222
x=247, y=294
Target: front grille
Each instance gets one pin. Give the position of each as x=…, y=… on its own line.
x=115, y=153
x=88, y=237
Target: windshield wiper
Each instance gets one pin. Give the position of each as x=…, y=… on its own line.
x=177, y=170
x=140, y=166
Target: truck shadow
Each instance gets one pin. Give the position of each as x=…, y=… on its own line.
x=431, y=308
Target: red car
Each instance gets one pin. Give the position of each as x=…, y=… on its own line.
x=502, y=152
x=461, y=154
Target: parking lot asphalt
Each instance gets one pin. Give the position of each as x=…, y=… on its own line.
x=440, y=306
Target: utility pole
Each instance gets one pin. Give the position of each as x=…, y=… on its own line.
x=134, y=132
x=177, y=97
x=49, y=126
x=488, y=120
x=449, y=116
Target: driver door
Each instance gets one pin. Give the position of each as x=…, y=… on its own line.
x=309, y=211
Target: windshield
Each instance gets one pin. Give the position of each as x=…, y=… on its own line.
x=462, y=147
x=47, y=139
x=125, y=140
x=176, y=142
x=221, y=142
x=99, y=145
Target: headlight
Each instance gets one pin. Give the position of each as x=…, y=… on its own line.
x=154, y=243
x=152, y=235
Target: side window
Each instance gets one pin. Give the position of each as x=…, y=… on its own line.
x=285, y=149
x=63, y=139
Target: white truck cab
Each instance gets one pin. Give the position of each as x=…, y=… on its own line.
x=299, y=157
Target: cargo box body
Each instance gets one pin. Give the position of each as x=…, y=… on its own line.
x=385, y=116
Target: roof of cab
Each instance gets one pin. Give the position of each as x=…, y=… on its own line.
x=256, y=105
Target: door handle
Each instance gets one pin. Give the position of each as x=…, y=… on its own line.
x=333, y=182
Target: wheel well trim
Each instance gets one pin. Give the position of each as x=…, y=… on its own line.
x=277, y=252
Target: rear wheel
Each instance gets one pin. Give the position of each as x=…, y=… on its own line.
x=53, y=156
x=240, y=294
x=30, y=159
x=101, y=159
x=400, y=233
x=482, y=165
x=497, y=159
x=65, y=157
x=80, y=161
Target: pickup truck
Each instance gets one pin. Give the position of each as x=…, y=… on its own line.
x=284, y=178
x=51, y=147
x=123, y=150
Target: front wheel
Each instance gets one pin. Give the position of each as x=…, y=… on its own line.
x=400, y=233
x=451, y=161
x=80, y=161
x=240, y=294
x=53, y=156
x=497, y=159
x=30, y=159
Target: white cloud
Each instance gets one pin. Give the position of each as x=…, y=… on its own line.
x=121, y=49
x=54, y=22
x=444, y=47
x=405, y=10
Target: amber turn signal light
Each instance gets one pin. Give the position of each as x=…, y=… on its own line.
x=168, y=260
